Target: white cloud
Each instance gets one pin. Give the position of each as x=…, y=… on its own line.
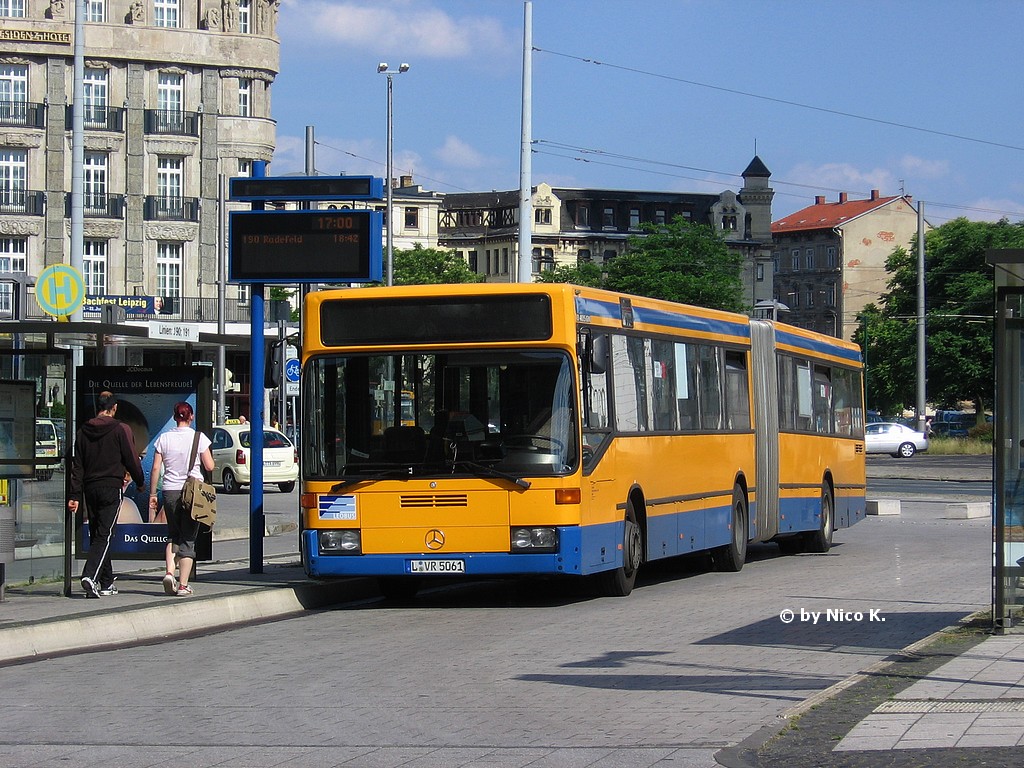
x=415, y=28
x=988, y=209
x=845, y=177
x=455, y=152
x=920, y=168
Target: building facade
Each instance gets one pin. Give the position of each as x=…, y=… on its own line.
x=830, y=258
x=572, y=226
x=175, y=94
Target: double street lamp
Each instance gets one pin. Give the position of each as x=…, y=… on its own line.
x=383, y=69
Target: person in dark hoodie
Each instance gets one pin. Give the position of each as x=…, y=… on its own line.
x=105, y=458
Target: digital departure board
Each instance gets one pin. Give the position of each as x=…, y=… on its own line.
x=329, y=246
x=307, y=188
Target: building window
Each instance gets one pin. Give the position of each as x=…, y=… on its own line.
x=412, y=218
x=830, y=295
x=609, y=255
x=95, y=10
x=794, y=259
x=12, y=8
x=729, y=222
x=165, y=13
x=830, y=255
x=541, y=215
x=95, y=96
x=474, y=261
x=244, y=97
x=170, y=101
x=244, y=167
x=13, y=93
x=169, y=185
x=584, y=256
x=810, y=297
x=95, y=172
x=634, y=218
x=608, y=217
x=12, y=259
x=809, y=258
x=582, y=216
x=245, y=16
x=504, y=261
x=760, y=273
x=13, y=175
x=94, y=262
x=660, y=216
x=168, y=270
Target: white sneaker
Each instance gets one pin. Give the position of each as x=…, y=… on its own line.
x=89, y=587
x=170, y=585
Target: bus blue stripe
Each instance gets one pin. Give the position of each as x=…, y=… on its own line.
x=816, y=347
x=687, y=322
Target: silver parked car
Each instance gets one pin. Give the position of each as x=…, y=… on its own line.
x=895, y=439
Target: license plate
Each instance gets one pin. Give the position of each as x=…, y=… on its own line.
x=437, y=566
x=271, y=463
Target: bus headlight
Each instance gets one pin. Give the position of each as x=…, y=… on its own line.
x=345, y=541
x=534, y=539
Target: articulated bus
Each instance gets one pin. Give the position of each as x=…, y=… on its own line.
x=560, y=430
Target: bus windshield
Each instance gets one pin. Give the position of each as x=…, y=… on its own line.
x=509, y=411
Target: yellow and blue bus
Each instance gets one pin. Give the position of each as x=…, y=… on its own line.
x=554, y=429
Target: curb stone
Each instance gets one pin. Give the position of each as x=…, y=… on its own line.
x=813, y=728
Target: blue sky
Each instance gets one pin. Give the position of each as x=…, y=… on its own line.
x=922, y=97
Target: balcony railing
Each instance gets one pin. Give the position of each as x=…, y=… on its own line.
x=24, y=202
x=170, y=208
x=171, y=121
x=100, y=118
x=98, y=206
x=27, y=114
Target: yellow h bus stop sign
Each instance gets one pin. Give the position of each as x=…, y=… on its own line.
x=60, y=290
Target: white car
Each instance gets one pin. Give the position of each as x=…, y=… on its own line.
x=232, y=465
x=895, y=439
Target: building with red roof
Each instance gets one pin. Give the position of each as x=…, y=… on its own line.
x=830, y=258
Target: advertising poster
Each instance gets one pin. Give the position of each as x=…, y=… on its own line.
x=146, y=398
x=17, y=429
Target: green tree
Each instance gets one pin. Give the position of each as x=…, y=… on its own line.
x=586, y=273
x=960, y=306
x=679, y=261
x=425, y=266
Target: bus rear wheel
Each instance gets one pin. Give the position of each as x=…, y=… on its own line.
x=620, y=582
x=731, y=556
x=820, y=541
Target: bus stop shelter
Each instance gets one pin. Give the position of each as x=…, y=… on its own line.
x=1008, y=447
x=35, y=533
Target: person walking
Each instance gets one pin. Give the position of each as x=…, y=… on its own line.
x=104, y=462
x=173, y=450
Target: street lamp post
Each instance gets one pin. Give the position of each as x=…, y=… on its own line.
x=383, y=69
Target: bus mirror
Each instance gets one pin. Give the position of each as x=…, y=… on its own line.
x=598, y=353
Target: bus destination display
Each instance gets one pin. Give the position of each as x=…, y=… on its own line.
x=305, y=246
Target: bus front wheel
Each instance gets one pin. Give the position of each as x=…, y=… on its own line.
x=731, y=556
x=620, y=582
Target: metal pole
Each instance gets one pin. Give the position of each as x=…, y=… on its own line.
x=222, y=279
x=525, y=271
x=78, y=150
x=390, y=193
x=921, y=367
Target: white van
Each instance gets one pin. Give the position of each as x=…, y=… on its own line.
x=47, y=449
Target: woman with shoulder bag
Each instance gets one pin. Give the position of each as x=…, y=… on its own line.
x=174, y=448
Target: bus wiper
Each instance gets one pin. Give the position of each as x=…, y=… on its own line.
x=481, y=471
x=382, y=475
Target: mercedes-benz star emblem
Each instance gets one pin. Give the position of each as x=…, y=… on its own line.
x=434, y=539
